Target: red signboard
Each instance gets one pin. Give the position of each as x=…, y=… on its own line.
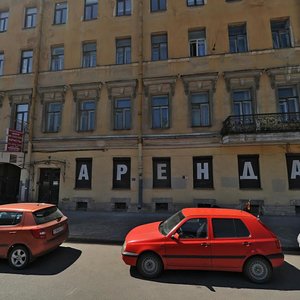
x=14, y=140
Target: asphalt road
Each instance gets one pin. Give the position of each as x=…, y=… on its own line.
x=93, y=271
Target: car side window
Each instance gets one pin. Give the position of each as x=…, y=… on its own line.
x=229, y=228
x=193, y=228
x=10, y=218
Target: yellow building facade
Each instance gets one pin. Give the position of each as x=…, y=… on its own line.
x=150, y=105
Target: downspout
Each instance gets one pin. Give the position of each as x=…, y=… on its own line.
x=36, y=68
x=140, y=101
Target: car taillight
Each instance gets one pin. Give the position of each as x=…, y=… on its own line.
x=39, y=233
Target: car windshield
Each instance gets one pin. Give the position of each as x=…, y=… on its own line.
x=166, y=226
x=47, y=215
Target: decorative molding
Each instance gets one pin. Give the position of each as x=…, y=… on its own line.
x=121, y=88
x=86, y=91
x=20, y=96
x=285, y=75
x=242, y=79
x=160, y=85
x=53, y=93
x=199, y=82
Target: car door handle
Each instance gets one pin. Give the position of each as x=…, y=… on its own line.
x=247, y=244
x=12, y=232
x=204, y=244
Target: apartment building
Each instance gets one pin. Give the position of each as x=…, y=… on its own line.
x=150, y=105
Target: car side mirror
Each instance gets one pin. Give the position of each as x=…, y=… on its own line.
x=175, y=236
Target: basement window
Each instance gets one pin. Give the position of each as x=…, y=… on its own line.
x=81, y=206
x=120, y=206
x=161, y=206
x=297, y=209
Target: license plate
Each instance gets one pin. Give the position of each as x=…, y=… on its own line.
x=58, y=229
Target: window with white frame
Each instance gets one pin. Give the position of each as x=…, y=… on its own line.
x=123, y=51
x=288, y=99
x=1, y=63
x=57, y=58
x=160, y=111
x=30, y=17
x=200, y=109
x=61, y=13
x=159, y=44
x=194, y=2
x=281, y=33
x=122, y=114
x=158, y=5
x=123, y=8
x=89, y=55
x=26, y=61
x=87, y=110
x=242, y=105
x=21, y=116
x=90, y=9
x=3, y=20
x=53, y=116
x=197, y=41
x=237, y=38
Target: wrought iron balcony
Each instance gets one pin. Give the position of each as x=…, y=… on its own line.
x=261, y=123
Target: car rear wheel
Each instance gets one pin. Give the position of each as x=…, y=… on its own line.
x=149, y=265
x=258, y=270
x=18, y=257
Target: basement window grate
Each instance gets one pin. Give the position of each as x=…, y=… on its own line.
x=161, y=206
x=120, y=206
x=297, y=210
x=81, y=206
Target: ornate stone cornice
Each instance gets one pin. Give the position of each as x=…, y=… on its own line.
x=2, y=95
x=53, y=93
x=121, y=88
x=198, y=82
x=19, y=96
x=160, y=85
x=284, y=75
x=242, y=79
x=86, y=91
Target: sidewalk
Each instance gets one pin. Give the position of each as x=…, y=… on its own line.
x=112, y=227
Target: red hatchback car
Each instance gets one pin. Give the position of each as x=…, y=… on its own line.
x=205, y=239
x=29, y=230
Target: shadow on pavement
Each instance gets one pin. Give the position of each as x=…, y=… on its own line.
x=50, y=264
x=285, y=278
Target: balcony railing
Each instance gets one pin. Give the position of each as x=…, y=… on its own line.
x=261, y=123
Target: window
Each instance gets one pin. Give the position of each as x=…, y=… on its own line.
x=30, y=17
x=160, y=112
x=26, y=61
x=158, y=5
x=57, y=58
x=200, y=109
x=46, y=215
x=242, y=102
x=87, y=115
x=121, y=172
x=237, y=38
x=161, y=172
x=281, y=34
x=203, y=172
x=197, y=41
x=123, y=7
x=90, y=9
x=21, y=116
x=229, y=228
x=193, y=228
x=53, y=116
x=248, y=166
x=10, y=218
x=159, y=47
x=123, y=52
x=61, y=13
x=89, y=58
x=83, y=175
x=1, y=63
x=122, y=114
x=194, y=2
x=288, y=99
x=3, y=20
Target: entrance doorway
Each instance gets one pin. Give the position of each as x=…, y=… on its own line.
x=9, y=183
x=49, y=185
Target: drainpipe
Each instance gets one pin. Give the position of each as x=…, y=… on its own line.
x=25, y=185
x=140, y=101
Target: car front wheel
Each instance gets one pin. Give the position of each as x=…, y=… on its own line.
x=149, y=265
x=258, y=270
x=18, y=257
